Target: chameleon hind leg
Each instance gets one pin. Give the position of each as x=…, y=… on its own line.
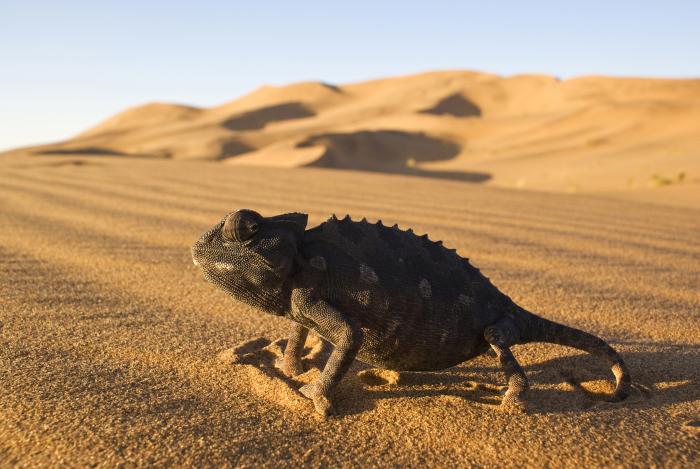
x=501, y=336
x=290, y=363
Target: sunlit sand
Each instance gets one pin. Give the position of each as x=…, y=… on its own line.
x=114, y=349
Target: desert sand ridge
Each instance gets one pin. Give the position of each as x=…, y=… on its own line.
x=110, y=336
x=527, y=131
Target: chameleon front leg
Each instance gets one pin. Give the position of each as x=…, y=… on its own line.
x=341, y=332
x=290, y=364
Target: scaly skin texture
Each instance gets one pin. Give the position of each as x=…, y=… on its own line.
x=385, y=296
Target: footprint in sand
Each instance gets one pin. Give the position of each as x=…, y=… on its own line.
x=258, y=357
x=378, y=377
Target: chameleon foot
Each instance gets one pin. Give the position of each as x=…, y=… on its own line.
x=290, y=368
x=514, y=402
x=322, y=404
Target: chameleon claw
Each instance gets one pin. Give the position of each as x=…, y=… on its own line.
x=323, y=405
x=514, y=403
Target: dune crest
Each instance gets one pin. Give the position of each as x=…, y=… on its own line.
x=143, y=116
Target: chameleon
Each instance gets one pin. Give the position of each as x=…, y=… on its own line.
x=380, y=294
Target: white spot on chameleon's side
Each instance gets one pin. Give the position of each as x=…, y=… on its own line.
x=464, y=299
x=363, y=297
x=391, y=328
x=223, y=266
x=443, y=338
x=385, y=304
x=318, y=263
x=424, y=288
x=367, y=274
x=196, y=262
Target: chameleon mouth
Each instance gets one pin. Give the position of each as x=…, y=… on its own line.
x=200, y=246
x=194, y=250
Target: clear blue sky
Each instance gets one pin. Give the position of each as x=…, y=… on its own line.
x=65, y=65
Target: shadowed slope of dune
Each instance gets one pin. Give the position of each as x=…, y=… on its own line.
x=388, y=151
x=524, y=131
x=259, y=118
x=315, y=95
x=454, y=105
x=80, y=151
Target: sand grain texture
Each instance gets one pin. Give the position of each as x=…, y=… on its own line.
x=111, y=343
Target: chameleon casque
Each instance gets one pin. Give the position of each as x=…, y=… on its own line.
x=386, y=296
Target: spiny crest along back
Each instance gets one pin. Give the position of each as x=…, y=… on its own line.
x=400, y=258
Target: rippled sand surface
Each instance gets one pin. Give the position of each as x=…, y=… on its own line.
x=111, y=343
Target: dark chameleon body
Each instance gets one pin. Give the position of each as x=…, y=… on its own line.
x=386, y=296
x=420, y=306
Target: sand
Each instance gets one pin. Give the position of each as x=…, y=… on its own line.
x=526, y=131
x=115, y=351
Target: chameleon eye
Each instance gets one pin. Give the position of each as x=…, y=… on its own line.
x=241, y=225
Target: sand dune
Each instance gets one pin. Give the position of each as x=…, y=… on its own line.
x=115, y=351
x=526, y=131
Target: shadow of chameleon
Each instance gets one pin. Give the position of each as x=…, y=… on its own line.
x=565, y=384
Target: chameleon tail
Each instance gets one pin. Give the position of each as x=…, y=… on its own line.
x=538, y=329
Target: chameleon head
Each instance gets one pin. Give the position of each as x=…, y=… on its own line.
x=246, y=254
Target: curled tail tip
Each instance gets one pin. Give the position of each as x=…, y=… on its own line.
x=543, y=330
x=623, y=381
